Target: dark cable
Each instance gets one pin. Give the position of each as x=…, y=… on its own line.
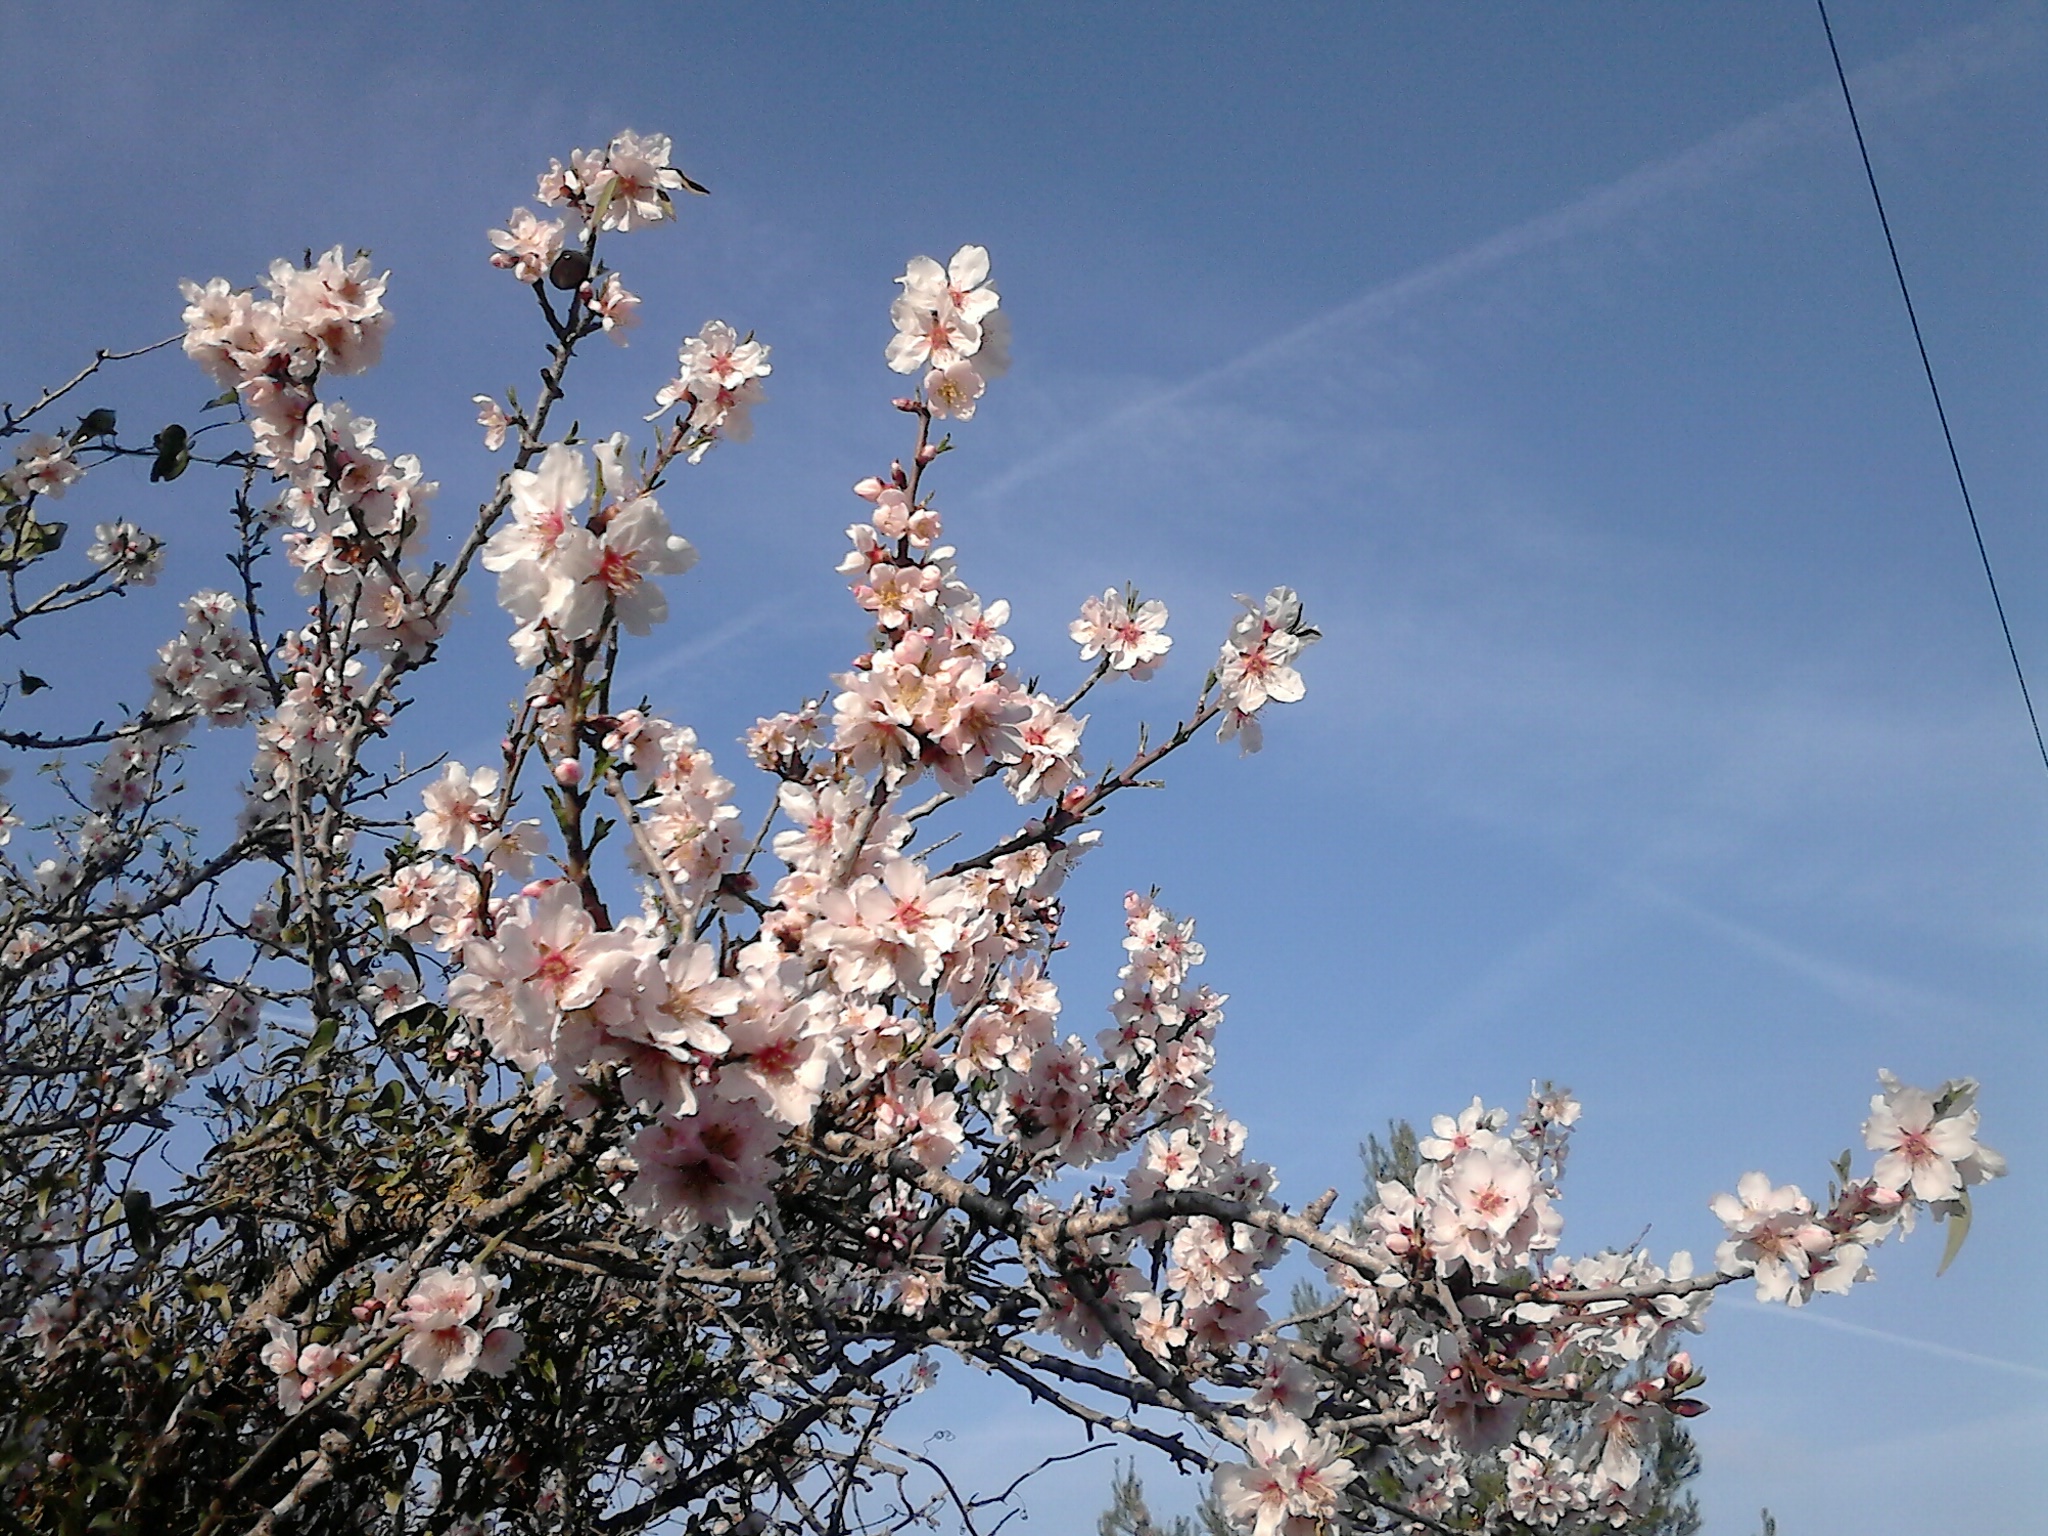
x=1934, y=389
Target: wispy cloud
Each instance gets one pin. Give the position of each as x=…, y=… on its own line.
x=709, y=643
x=1816, y=1319
x=1927, y=70
x=1599, y=920
x=1863, y=989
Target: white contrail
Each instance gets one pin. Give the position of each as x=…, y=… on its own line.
x=1928, y=69
x=701, y=645
x=1903, y=1341
x=1855, y=985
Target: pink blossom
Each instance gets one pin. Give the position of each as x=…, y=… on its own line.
x=459, y=812
x=527, y=246
x=953, y=390
x=1128, y=634
x=617, y=310
x=492, y=418
x=594, y=574
x=1929, y=1144
x=710, y=1169
x=1772, y=1234
x=455, y=1325
x=130, y=555
x=1292, y=1473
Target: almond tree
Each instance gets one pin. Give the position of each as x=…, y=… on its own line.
x=574, y=1142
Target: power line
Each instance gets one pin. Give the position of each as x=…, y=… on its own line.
x=1934, y=389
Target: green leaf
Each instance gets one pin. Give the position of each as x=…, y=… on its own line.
x=321, y=1043
x=173, y=453
x=30, y=683
x=1958, y=1230
x=225, y=397
x=99, y=423
x=26, y=539
x=416, y=1017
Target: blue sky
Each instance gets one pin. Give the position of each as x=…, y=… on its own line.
x=1663, y=741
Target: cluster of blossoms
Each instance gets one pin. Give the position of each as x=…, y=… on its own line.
x=449, y=1324
x=1256, y=667
x=1129, y=635
x=562, y=577
x=126, y=552
x=354, y=515
x=946, y=324
x=913, y=1002
x=210, y=669
x=328, y=317
x=44, y=465
x=716, y=387
x=1293, y=1484
x=936, y=692
x=454, y=1325
x=626, y=186
x=839, y=1089
x=1931, y=1155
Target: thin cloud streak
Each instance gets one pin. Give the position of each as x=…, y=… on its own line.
x=1851, y=984
x=1903, y=1341
x=1928, y=69
x=707, y=644
x=1593, y=924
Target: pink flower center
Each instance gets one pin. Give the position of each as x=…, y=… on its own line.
x=554, y=970
x=615, y=568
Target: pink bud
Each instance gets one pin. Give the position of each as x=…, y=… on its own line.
x=569, y=772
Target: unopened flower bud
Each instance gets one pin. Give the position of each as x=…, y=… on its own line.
x=569, y=772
